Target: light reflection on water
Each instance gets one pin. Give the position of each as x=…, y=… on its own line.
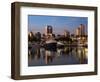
x=64, y=56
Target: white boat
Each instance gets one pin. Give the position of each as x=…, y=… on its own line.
x=51, y=45
x=60, y=45
x=51, y=41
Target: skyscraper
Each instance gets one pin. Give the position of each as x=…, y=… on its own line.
x=80, y=31
x=66, y=33
x=38, y=35
x=48, y=30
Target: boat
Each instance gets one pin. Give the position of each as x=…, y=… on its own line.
x=60, y=45
x=51, y=45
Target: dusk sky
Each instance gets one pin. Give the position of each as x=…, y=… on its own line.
x=37, y=23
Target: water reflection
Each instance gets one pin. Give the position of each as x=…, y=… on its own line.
x=64, y=56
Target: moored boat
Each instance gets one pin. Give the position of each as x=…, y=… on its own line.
x=60, y=45
x=51, y=45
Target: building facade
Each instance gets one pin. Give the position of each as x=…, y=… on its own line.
x=80, y=31
x=48, y=30
x=66, y=33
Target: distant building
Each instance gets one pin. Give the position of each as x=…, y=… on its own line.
x=30, y=36
x=81, y=35
x=38, y=36
x=48, y=30
x=80, y=31
x=66, y=33
x=73, y=37
x=82, y=28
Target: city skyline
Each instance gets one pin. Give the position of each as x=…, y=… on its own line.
x=51, y=40
x=38, y=23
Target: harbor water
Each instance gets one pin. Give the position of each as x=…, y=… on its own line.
x=39, y=56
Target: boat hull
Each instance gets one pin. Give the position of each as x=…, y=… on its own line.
x=51, y=46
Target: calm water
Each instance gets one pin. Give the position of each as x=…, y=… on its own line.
x=64, y=56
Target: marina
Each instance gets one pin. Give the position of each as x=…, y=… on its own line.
x=41, y=56
x=57, y=43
